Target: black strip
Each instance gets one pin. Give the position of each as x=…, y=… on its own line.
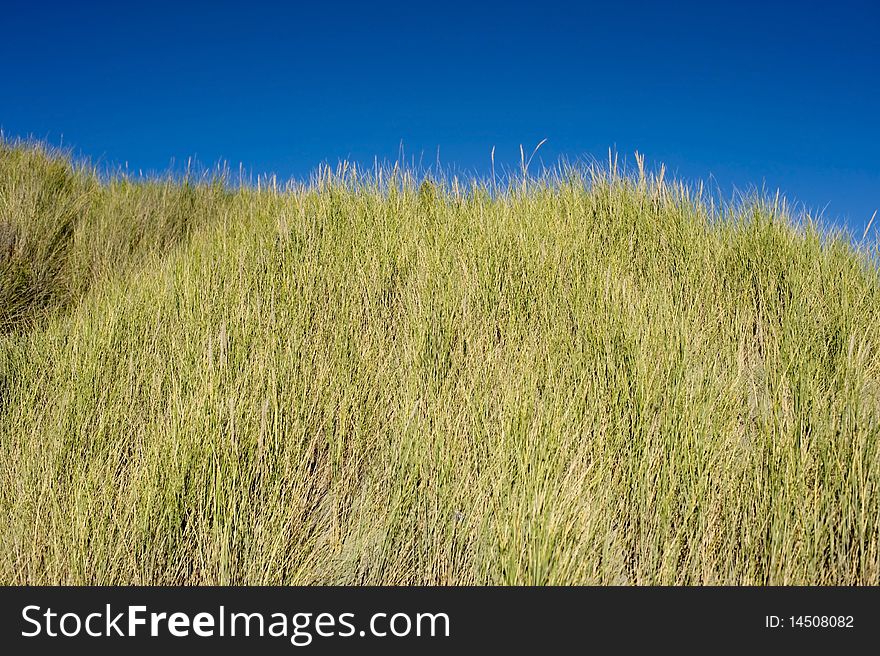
x=586, y=619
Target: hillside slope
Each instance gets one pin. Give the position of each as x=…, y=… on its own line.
x=599, y=380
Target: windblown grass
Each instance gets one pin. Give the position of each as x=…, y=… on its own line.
x=594, y=378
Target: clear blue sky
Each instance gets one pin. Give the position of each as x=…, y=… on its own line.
x=781, y=94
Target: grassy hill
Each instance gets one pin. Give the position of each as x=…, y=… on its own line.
x=595, y=378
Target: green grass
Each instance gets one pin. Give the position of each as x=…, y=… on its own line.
x=588, y=378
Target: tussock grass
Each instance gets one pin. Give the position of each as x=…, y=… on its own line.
x=585, y=378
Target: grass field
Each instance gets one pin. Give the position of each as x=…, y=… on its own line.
x=587, y=378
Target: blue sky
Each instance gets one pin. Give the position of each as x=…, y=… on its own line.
x=785, y=95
